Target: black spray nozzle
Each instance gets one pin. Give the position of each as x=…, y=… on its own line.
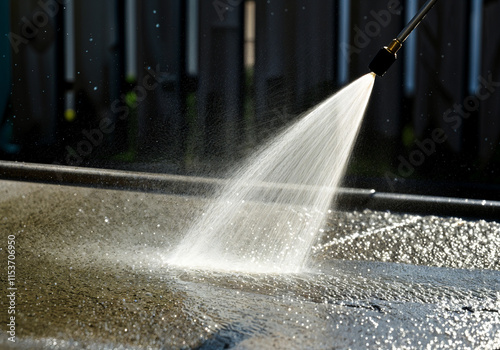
x=387, y=55
x=385, y=58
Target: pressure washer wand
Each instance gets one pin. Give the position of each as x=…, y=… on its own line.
x=387, y=55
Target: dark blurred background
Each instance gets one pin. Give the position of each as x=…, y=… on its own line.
x=194, y=86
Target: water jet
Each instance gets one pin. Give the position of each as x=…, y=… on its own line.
x=239, y=233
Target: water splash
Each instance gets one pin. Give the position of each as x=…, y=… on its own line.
x=267, y=217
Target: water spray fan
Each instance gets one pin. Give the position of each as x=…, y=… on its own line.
x=388, y=54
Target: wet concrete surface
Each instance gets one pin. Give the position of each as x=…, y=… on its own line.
x=91, y=273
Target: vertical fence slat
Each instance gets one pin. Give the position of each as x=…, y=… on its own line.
x=160, y=61
x=5, y=59
x=440, y=82
x=269, y=68
x=35, y=77
x=314, y=42
x=489, y=136
x=219, y=96
x=5, y=82
x=295, y=63
x=99, y=71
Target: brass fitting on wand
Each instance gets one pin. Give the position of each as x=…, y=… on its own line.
x=394, y=46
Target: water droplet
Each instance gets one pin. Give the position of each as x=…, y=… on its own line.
x=154, y=11
x=95, y=88
x=157, y=25
x=91, y=39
